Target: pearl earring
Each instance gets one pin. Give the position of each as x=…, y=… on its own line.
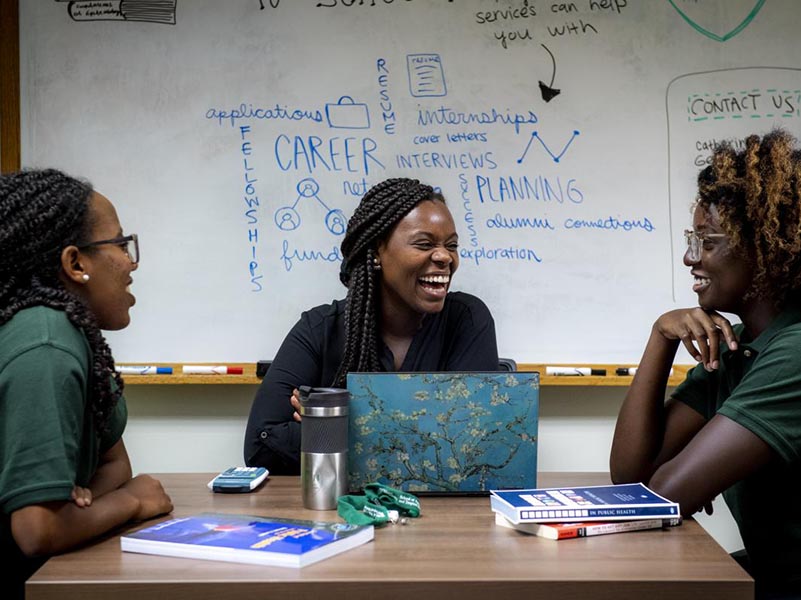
x=376, y=264
x=85, y=276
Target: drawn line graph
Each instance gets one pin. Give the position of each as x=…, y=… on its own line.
x=556, y=157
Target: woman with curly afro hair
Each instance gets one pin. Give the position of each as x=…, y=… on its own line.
x=65, y=273
x=400, y=252
x=734, y=425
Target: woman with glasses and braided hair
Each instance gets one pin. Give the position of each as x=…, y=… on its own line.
x=65, y=274
x=734, y=425
x=400, y=252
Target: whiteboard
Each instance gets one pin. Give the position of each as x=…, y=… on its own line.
x=237, y=137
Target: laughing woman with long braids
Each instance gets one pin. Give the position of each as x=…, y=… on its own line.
x=734, y=425
x=65, y=269
x=400, y=253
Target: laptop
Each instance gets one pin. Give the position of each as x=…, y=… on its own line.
x=443, y=433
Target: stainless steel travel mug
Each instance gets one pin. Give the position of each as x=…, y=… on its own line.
x=323, y=446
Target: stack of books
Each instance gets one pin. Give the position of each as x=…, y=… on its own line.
x=570, y=512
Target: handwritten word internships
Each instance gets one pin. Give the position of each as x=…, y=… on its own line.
x=251, y=199
x=510, y=253
x=515, y=189
x=446, y=160
x=611, y=223
x=248, y=111
x=289, y=257
x=448, y=116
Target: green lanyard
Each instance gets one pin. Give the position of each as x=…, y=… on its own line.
x=379, y=505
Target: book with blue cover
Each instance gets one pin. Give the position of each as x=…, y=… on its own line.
x=250, y=539
x=623, y=502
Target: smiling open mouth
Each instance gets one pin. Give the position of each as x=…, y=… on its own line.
x=700, y=283
x=435, y=284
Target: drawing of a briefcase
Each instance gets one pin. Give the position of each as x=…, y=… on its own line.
x=347, y=114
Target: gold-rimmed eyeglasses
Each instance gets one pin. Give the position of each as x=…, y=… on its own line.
x=695, y=242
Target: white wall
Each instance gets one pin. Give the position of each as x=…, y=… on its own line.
x=200, y=428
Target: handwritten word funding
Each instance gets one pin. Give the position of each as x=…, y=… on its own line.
x=300, y=255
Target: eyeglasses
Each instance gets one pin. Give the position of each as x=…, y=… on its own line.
x=128, y=243
x=695, y=242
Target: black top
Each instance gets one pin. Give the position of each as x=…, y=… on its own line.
x=459, y=338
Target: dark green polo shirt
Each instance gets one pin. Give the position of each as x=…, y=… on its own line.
x=48, y=441
x=759, y=387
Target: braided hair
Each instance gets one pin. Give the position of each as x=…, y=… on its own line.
x=757, y=192
x=381, y=208
x=41, y=213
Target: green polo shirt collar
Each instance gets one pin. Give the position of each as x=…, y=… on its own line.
x=789, y=316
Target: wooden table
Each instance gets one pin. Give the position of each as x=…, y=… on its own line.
x=453, y=551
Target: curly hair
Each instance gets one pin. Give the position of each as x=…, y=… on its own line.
x=42, y=212
x=381, y=208
x=757, y=192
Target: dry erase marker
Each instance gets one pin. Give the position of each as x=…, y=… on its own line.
x=207, y=370
x=143, y=370
x=581, y=371
x=630, y=371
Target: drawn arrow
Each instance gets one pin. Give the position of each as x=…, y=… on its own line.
x=548, y=91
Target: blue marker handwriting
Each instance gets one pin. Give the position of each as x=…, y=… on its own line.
x=355, y=188
x=611, y=223
x=556, y=157
x=510, y=253
x=446, y=160
x=251, y=199
x=385, y=102
x=300, y=255
x=248, y=111
x=501, y=222
x=310, y=153
x=448, y=116
x=453, y=138
x=287, y=218
x=464, y=189
x=540, y=188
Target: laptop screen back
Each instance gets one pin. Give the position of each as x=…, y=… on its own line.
x=443, y=432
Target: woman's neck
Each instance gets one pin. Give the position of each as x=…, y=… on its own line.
x=397, y=320
x=758, y=315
